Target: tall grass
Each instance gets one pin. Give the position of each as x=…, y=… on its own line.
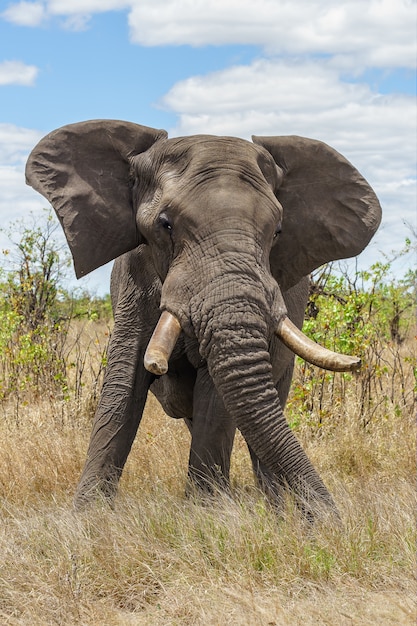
x=159, y=558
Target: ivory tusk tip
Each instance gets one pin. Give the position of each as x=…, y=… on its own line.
x=161, y=344
x=355, y=365
x=344, y=363
x=312, y=352
x=156, y=363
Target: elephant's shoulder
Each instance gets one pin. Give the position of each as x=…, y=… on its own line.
x=296, y=299
x=134, y=277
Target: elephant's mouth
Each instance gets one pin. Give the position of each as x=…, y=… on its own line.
x=168, y=329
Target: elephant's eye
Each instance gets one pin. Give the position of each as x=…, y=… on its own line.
x=278, y=230
x=165, y=222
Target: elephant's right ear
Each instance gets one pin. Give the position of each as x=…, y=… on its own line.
x=330, y=210
x=84, y=171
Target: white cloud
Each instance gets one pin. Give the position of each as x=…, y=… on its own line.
x=17, y=73
x=68, y=7
x=76, y=12
x=34, y=13
x=25, y=13
x=16, y=198
x=304, y=97
x=377, y=32
x=16, y=143
x=79, y=12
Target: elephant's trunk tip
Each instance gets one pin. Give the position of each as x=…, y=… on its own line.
x=161, y=344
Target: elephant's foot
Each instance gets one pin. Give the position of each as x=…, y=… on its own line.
x=96, y=490
x=206, y=483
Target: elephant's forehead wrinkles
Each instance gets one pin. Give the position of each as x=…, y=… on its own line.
x=201, y=143
x=206, y=169
x=206, y=178
x=186, y=164
x=199, y=152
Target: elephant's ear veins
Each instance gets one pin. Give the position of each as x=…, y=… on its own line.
x=84, y=171
x=330, y=210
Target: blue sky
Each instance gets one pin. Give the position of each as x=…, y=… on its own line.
x=341, y=72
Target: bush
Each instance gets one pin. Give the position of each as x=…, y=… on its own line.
x=32, y=333
x=372, y=316
x=36, y=314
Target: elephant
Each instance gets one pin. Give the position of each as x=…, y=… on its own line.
x=214, y=239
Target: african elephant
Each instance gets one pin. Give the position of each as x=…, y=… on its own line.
x=220, y=234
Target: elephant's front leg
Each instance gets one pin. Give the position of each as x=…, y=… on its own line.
x=212, y=435
x=116, y=420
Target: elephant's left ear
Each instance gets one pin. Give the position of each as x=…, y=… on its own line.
x=84, y=170
x=330, y=211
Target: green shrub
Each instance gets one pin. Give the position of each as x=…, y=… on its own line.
x=31, y=336
x=370, y=315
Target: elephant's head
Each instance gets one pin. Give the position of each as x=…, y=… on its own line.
x=230, y=224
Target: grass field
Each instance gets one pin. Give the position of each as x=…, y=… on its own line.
x=160, y=559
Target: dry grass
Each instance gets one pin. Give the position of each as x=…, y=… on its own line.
x=160, y=559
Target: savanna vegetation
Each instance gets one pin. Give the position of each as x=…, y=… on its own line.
x=158, y=558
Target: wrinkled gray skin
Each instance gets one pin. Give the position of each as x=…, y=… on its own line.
x=195, y=223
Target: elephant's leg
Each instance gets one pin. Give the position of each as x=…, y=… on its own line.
x=135, y=301
x=115, y=424
x=212, y=435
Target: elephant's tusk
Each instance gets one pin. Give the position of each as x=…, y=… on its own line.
x=162, y=343
x=312, y=352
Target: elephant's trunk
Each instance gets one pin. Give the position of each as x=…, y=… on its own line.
x=243, y=378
